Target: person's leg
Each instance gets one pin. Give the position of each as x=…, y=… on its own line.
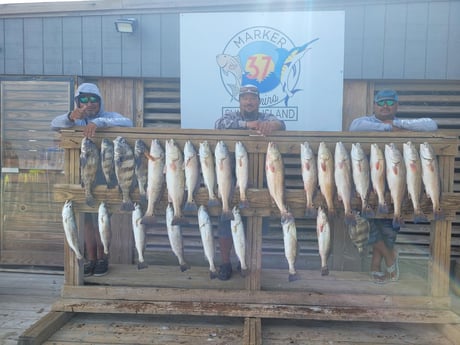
x=375, y=239
x=390, y=255
x=90, y=245
x=225, y=246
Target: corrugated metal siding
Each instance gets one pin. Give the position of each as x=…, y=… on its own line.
x=383, y=40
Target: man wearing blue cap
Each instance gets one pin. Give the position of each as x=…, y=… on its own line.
x=384, y=118
x=382, y=235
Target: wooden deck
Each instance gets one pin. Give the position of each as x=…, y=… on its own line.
x=27, y=297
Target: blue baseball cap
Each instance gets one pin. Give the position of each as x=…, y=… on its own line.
x=384, y=95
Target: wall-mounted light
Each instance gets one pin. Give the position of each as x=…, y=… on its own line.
x=126, y=25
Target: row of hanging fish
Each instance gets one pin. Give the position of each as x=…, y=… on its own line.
x=344, y=174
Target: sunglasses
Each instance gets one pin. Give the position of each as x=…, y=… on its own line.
x=86, y=99
x=388, y=102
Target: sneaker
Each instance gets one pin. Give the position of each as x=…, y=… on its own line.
x=378, y=277
x=101, y=268
x=88, y=268
x=225, y=271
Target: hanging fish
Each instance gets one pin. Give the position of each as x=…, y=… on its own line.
x=141, y=153
x=207, y=239
x=359, y=233
x=209, y=172
x=290, y=246
x=396, y=179
x=155, y=180
x=274, y=170
x=224, y=178
x=105, y=229
x=431, y=179
x=326, y=176
x=175, y=238
x=124, y=169
x=89, y=161
x=342, y=176
x=108, y=163
x=361, y=178
x=70, y=228
x=139, y=235
x=378, y=176
x=414, y=179
x=242, y=172
x=192, y=175
x=239, y=239
x=323, y=233
x=175, y=179
x=309, y=177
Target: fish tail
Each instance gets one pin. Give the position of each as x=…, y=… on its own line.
x=350, y=219
x=438, y=214
x=397, y=221
x=293, y=277
x=148, y=220
x=90, y=201
x=287, y=218
x=419, y=217
x=310, y=212
x=244, y=203
x=213, y=202
x=324, y=271
x=383, y=208
x=184, y=267
x=244, y=272
x=179, y=220
x=127, y=206
x=212, y=275
x=142, y=265
x=190, y=206
x=227, y=215
x=367, y=212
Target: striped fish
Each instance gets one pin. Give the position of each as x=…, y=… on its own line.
x=108, y=163
x=124, y=169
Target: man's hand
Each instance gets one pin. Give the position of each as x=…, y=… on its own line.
x=79, y=113
x=89, y=130
x=263, y=127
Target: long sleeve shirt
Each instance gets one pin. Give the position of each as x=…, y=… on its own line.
x=104, y=119
x=370, y=123
x=234, y=120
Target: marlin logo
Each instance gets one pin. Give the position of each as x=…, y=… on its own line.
x=266, y=58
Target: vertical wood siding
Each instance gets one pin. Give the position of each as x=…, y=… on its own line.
x=386, y=40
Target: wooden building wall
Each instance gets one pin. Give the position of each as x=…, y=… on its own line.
x=384, y=39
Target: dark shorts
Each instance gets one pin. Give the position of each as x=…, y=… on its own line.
x=382, y=230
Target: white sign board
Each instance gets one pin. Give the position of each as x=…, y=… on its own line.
x=294, y=58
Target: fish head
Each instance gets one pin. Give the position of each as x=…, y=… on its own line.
x=306, y=151
x=357, y=152
x=139, y=146
x=427, y=151
x=204, y=149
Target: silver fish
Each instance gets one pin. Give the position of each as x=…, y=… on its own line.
x=414, y=179
x=192, y=175
x=242, y=172
x=378, y=176
x=361, y=177
x=89, y=161
x=105, y=229
x=108, y=163
x=124, y=169
x=290, y=246
x=175, y=179
x=239, y=239
x=396, y=179
x=207, y=239
x=139, y=235
x=274, y=170
x=323, y=233
x=431, y=179
x=175, y=238
x=224, y=178
x=309, y=177
x=342, y=177
x=209, y=172
x=70, y=228
x=155, y=180
x=359, y=233
x=326, y=176
x=141, y=168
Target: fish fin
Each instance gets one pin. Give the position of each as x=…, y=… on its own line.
x=287, y=218
x=244, y=204
x=184, y=267
x=148, y=220
x=190, y=206
x=397, y=222
x=142, y=265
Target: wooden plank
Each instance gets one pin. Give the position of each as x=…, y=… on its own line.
x=252, y=331
x=44, y=328
x=260, y=311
